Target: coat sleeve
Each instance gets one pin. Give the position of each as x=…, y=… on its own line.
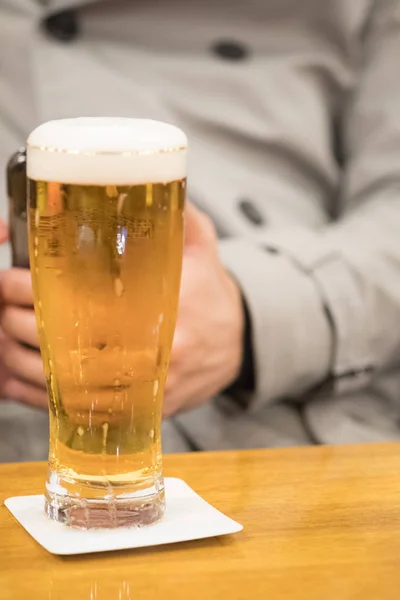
x=327, y=302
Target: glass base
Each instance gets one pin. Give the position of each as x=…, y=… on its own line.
x=135, y=509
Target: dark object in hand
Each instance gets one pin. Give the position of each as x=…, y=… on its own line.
x=16, y=190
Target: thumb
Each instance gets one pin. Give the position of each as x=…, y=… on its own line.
x=199, y=229
x=3, y=231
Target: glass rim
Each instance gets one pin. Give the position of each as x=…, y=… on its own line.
x=123, y=153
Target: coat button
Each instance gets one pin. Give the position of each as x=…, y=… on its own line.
x=251, y=212
x=63, y=26
x=230, y=50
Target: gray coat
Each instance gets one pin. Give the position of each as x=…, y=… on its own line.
x=292, y=108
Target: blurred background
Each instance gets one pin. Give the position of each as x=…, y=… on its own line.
x=287, y=329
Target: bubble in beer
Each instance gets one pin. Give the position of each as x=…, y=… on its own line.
x=120, y=203
x=111, y=191
x=155, y=387
x=118, y=287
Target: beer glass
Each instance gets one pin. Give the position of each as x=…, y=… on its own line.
x=105, y=220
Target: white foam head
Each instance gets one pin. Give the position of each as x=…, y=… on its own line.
x=106, y=151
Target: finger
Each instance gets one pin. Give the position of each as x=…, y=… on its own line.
x=24, y=392
x=3, y=231
x=20, y=324
x=23, y=363
x=175, y=398
x=181, y=345
x=16, y=287
x=199, y=229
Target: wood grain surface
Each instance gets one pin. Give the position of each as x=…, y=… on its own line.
x=320, y=523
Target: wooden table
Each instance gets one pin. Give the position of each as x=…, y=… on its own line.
x=319, y=524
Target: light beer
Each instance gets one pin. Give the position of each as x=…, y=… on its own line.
x=106, y=205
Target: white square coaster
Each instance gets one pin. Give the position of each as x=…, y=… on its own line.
x=187, y=517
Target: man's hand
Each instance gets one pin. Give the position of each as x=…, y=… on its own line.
x=21, y=369
x=207, y=349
